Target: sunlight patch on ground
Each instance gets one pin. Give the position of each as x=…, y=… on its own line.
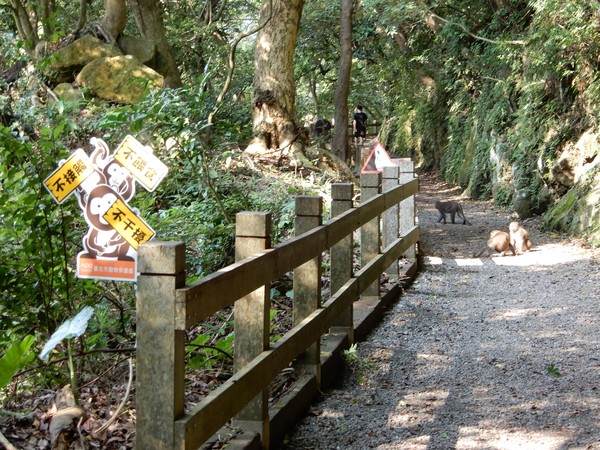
x=517, y=313
x=469, y=262
x=522, y=313
x=417, y=408
x=541, y=256
x=476, y=438
x=332, y=414
x=434, y=260
x=414, y=443
x=383, y=354
x=431, y=357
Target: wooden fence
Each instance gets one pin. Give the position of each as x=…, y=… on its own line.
x=167, y=307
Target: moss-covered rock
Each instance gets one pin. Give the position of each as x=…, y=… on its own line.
x=522, y=203
x=71, y=59
x=578, y=211
x=121, y=79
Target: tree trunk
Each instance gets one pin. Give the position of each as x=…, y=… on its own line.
x=340, y=134
x=24, y=26
x=45, y=13
x=274, y=98
x=115, y=17
x=82, y=20
x=150, y=23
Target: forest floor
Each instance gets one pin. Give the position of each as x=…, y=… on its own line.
x=478, y=353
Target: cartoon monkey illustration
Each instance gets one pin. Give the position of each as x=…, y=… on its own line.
x=102, y=240
x=109, y=182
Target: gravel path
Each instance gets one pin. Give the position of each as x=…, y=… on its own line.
x=479, y=353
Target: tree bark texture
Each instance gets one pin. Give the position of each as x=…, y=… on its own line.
x=24, y=26
x=274, y=100
x=115, y=17
x=149, y=21
x=340, y=133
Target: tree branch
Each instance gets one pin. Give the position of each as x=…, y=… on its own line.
x=231, y=60
x=474, y=36
x=78, y=355
x=104, y=427
x=7, y=445
x=211, y=347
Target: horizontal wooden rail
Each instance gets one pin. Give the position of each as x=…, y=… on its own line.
x=167, y=308
x=221, y=404
x=216, y=291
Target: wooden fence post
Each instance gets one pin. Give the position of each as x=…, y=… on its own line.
x=251, y=318
x=370, y=235
x=342, y=256
x=160, y=348
x=307, y=280
x=407, y=206
x=391, y=225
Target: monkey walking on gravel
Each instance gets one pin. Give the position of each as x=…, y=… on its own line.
x=453, y=208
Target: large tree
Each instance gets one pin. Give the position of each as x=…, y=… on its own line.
x=340, y=135
x=274, y=96
x=150, y=23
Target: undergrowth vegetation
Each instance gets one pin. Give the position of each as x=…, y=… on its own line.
x=505, y=88
x=209, y=181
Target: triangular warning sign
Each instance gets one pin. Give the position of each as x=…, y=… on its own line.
x=377, y=160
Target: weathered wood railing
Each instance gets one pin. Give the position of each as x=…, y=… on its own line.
x=166, y=307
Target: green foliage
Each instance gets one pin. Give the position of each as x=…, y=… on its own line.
x=553, y=371
x=17, y=355
x=357, y=364
x=272, y=317
x=40, y=238
x=521, y=77
x=503, y=194
x=206, y=185
x=70, y=328
x=37, y=236
x=202, y=355
x=350, y=355
x=316, y=59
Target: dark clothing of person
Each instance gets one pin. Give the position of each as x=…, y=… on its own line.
x=360, y=128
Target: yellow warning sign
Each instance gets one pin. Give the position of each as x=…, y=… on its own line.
x=69, y=176
x=143, y=165
x=128, y=224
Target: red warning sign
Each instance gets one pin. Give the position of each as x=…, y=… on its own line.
x=377, y=160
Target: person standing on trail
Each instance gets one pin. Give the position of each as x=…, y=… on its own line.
x=359, y=125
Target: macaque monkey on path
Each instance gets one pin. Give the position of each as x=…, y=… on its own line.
x=453, y=208
x=519, y=237
x=499, y=241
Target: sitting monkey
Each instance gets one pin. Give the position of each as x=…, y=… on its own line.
x=499, y=241
x=519, y=237
x=453, y=208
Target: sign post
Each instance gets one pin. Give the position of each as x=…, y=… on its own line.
x=104, y=184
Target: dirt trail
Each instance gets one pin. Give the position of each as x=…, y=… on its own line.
x=479, y=353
